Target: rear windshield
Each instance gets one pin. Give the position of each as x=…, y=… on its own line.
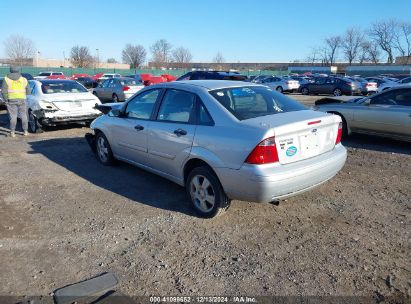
x=62, y=87
x=250, y=102
x=44, y=74
x=128, y=82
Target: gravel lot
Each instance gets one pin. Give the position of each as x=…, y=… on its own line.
x=65, y=218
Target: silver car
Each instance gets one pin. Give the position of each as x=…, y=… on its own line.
x=386, y=114
x=222, y=140
x=117, y=89
x=281, y=84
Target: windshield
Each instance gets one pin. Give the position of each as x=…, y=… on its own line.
x=255, y=101
x=62, y=87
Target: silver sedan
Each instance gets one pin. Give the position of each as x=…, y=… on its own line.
x=222, y=140
x=386, y=114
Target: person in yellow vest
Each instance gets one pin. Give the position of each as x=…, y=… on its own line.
x=15, y=88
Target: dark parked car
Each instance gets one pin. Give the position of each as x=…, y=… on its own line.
x=216, y=75
x=331, y=85
x=87, y=82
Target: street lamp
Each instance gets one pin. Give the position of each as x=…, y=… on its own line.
x=98, y=58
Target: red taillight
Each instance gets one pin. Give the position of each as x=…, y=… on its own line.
x=314, y=122
x=126, y=88
x=264, y=153
x=339, y=134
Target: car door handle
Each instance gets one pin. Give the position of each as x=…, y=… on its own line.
x=180, y=132
x=139, y=128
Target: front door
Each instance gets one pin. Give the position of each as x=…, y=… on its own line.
x=389, y=112
x=129, y=132
x=171, y=134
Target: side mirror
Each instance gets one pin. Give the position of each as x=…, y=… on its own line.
x=115, y=113
x=367, y=102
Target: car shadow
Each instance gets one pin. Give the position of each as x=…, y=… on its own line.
x=376, y=143
x=142, y=187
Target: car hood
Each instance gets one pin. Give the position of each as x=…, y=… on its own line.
x=107, y=107
x=339, y=100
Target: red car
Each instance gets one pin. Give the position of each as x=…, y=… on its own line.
x=76, y=76
x=56, y=77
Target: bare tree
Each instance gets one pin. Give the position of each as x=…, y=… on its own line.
x=161, y=50
x=369, y=51
x=218, y=58
x=19, y=48
x=111, y=60
x=134, y=55
x=80, y=56
x=314, y=56
x=351, y=44
x=182, y=56
x=402, y=38
x=383, y=34
x=332, y=45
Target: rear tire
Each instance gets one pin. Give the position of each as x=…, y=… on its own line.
x=115, y=98
x=305, y=91
x=103, y=150
x=337, y=92
x=34, y=124
x=279, y=89
x=206, y=193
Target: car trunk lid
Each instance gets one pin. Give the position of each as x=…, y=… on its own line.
x=73, y=102
x=301, y=134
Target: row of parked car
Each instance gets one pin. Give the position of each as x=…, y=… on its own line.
x=188, y=131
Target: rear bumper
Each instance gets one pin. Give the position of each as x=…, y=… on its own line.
x=56, y=120
x=266, y=183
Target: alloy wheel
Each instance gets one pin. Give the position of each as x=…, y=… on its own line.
x=202, y=193
x=102, y=149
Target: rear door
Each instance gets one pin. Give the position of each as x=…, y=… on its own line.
x=317, y=86
x=171, y=134
x=129, y=133
x=389, y=112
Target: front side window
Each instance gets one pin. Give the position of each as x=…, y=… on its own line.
x=250, y=102
x=177, y=106
x=142, y=105
x=320, y=81
x=393, y=98
x=185, y=76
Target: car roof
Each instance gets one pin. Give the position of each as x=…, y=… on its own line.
x=209, y=84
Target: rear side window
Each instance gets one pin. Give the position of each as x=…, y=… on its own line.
x=177, y=106
x=250, y=102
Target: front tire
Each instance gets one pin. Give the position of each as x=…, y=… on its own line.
x=34, y=124
x=206, y=193
x=103, y=150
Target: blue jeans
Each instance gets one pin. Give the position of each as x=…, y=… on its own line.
x=17, y=108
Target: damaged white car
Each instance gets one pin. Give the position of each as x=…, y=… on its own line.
x=56, y=102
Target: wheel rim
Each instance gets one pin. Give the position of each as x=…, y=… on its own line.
x=279, y=89
x=305, y=91
x=337, y=92
x=115, y=98
x=32, y=122
x=102, y=149
x=202, y=193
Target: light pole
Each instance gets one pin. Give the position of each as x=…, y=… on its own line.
x=98, y=58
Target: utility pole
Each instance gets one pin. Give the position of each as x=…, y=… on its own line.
x=98, y=58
